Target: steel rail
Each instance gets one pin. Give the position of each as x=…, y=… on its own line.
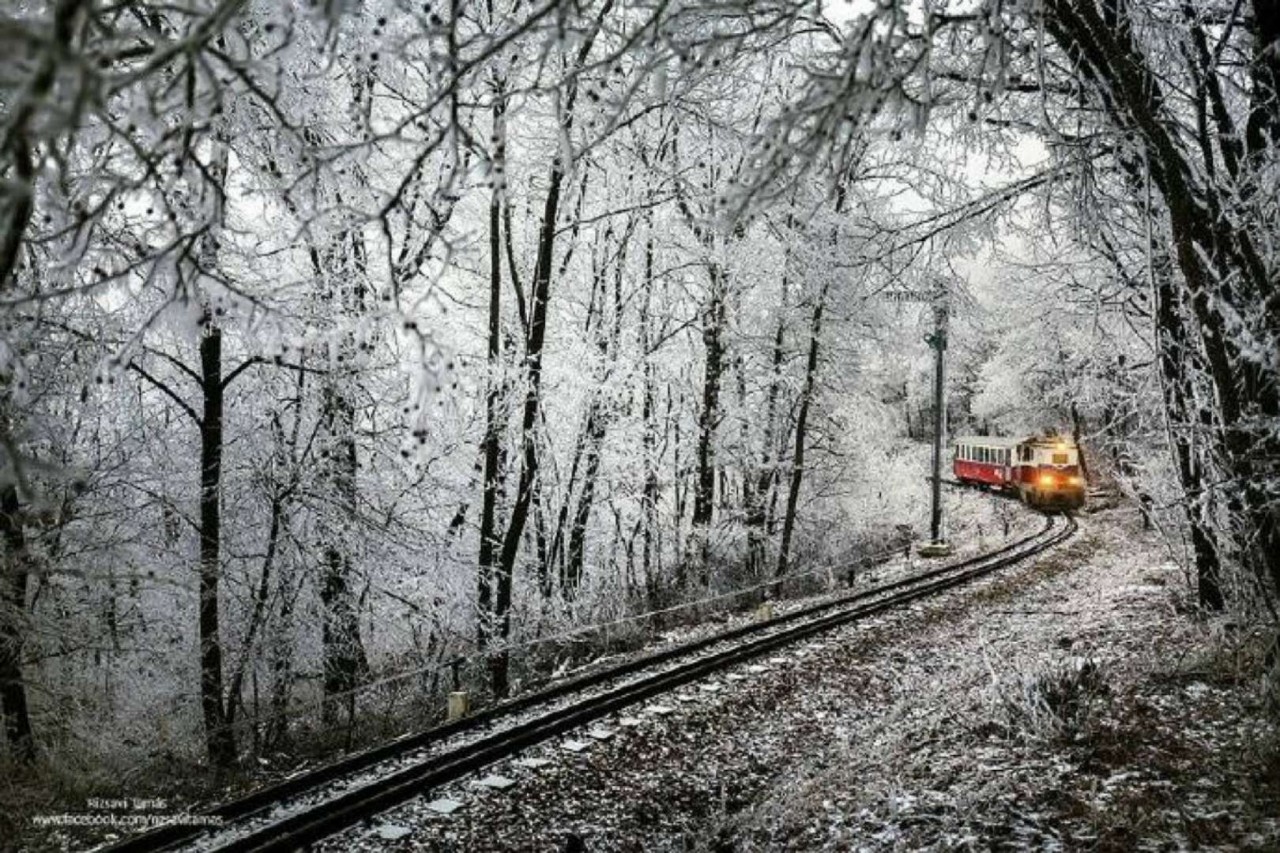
x=320, y=820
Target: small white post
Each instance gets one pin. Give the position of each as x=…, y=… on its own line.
x=459, y=705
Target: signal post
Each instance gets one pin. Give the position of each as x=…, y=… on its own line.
x=937, y=546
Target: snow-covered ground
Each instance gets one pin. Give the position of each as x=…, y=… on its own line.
x=1072, y=702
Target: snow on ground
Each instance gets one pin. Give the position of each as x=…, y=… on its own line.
x=1072, y=702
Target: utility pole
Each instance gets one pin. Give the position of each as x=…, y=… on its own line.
x=938, y=546
x=937, y=297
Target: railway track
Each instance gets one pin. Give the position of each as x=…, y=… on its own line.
x=319, y=803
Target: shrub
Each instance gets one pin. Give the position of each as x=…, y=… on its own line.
x=1054, y=702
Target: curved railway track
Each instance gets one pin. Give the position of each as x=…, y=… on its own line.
x=311, y=806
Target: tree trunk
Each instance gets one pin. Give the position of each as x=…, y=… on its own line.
x=1173, y=349
x=492, y=428
x=802, y=421
x=540, y=291
x=281, y=662
x=651, y=552
x=13, y=618
x=219, y=738
x=500, y=662
x=344, y=661
x=757, y=516
x=713, y=319
x=595, y=432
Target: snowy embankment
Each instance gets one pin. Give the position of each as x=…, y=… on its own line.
x=1071, y=700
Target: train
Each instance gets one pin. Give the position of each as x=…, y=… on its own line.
x=1043, y=471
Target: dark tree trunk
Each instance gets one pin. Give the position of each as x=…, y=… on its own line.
x=766, y=477
x=594, y=432
x=802, y=421
x=1219, y=262
x=344, y=657
x=555, y=556
x=713, y=319
x=258, y=613
x=492, y=428
x=546, y=582
x=1174, y=352
x=219, y=738
x=540, y=292
x=500, y=662
x=575, y=553
x=651, y=560
x=13, y=618
x=282, y=661
x=650, y=553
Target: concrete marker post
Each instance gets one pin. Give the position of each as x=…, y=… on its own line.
x=459, y=704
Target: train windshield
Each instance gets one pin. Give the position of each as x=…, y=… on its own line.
x=1059, y=455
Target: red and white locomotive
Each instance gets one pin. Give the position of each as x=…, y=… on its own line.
x=1044, y=471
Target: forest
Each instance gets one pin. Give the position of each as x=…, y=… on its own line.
x=351, y=352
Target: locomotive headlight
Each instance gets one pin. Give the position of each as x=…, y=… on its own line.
x=1046, y=479
x=1076, y=481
